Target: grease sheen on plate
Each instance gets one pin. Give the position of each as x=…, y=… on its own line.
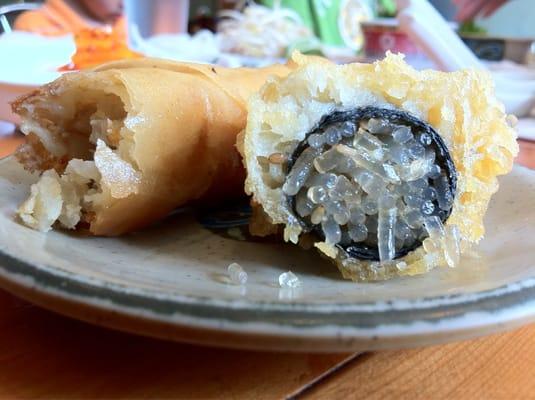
x=170, y=281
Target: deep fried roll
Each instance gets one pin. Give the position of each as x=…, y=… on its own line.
x=123, y=145
x=386, y=170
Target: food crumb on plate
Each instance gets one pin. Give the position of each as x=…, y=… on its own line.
x=289, y=279
x=237, y=275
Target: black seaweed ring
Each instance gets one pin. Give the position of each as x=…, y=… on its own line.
x=443, y=158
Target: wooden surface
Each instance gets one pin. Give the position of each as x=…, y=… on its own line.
x=8, y=144
x=495, y=367
x=526, y=156
x=44, y=355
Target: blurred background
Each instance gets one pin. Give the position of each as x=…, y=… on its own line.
x=41, y=39
x=332, y=22
x=272, y=29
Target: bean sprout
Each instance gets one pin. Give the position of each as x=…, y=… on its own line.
x=260, y=31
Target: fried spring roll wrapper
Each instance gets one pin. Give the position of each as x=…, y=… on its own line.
x=123, y=145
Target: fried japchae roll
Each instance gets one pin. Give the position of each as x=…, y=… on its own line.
x=123, y=145
x=386, y=170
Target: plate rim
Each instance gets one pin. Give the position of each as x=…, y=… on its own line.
x=292, y=315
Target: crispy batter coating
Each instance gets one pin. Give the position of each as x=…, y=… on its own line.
x=461, y=106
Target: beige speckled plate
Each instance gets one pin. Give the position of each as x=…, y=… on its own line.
x=170, y=281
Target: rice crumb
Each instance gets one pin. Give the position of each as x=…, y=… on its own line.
x=289, y=280
x=237, y=275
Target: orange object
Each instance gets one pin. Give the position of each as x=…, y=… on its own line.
x=97, y=46
x=54, y=18
x=96, y=43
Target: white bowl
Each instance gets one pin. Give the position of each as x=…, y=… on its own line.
x=28, y=61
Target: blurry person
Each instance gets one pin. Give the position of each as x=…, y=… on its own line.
x=467, y=10
x=60, y=17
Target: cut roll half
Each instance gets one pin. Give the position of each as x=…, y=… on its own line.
x=123, y=145
x=386, y=170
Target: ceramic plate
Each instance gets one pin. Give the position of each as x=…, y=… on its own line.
x=170, y=281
